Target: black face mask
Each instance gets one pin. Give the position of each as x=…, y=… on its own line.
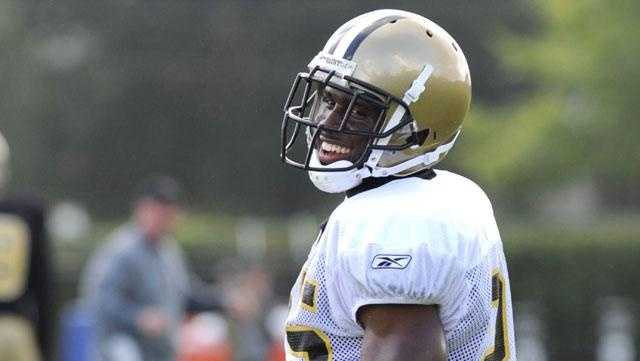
x=297, y=150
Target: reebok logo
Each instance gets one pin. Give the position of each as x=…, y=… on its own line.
x=391, y=261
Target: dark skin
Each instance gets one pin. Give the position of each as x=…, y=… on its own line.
x=331, y=108
x=402, y=333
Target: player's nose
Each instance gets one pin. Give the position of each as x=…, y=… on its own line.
x=333, y=118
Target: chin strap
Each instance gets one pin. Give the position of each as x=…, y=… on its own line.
x=336, y=182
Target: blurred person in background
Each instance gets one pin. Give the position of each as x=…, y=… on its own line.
x=410, y=266
x=25, y=297
x=248, y=291
x=137, y=286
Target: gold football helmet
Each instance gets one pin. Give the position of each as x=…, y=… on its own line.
x=404, y=74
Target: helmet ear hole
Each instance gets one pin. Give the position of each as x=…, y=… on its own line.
x=422, y=136
x=418, y=138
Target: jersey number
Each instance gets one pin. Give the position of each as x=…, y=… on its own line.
x=309, y=344
x=500, y=350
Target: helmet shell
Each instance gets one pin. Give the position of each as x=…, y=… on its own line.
x=392, y=55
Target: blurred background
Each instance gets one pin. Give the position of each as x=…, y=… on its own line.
x=99, y=94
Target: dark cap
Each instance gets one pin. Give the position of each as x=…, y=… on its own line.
x=162, y=189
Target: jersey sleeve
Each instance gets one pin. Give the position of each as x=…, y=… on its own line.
x=405, y=263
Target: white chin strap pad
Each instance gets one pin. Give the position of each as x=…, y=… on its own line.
x=336, y=182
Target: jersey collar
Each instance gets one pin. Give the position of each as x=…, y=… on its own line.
x=371, y=183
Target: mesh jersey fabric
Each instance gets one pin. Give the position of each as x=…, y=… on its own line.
x=411, y=241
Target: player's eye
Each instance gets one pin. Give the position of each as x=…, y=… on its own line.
x=362, y=123
x=328, y=100
x=358, y=112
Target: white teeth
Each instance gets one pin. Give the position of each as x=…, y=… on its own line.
x=328, y=147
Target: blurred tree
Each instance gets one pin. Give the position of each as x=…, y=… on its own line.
x=99, y=94
x=580, y=121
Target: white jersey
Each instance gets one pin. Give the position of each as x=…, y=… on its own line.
x=409, y=241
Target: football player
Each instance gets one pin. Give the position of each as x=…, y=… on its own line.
x=25, y=297
x=410, y=266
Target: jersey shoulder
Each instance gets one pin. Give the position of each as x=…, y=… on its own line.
x=453, y=191
x=449, y=216
x=445, y=194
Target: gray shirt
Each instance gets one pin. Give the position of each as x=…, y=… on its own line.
x=127, y=274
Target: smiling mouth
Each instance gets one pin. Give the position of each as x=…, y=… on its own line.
x=334, y=148
x=331, y=152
